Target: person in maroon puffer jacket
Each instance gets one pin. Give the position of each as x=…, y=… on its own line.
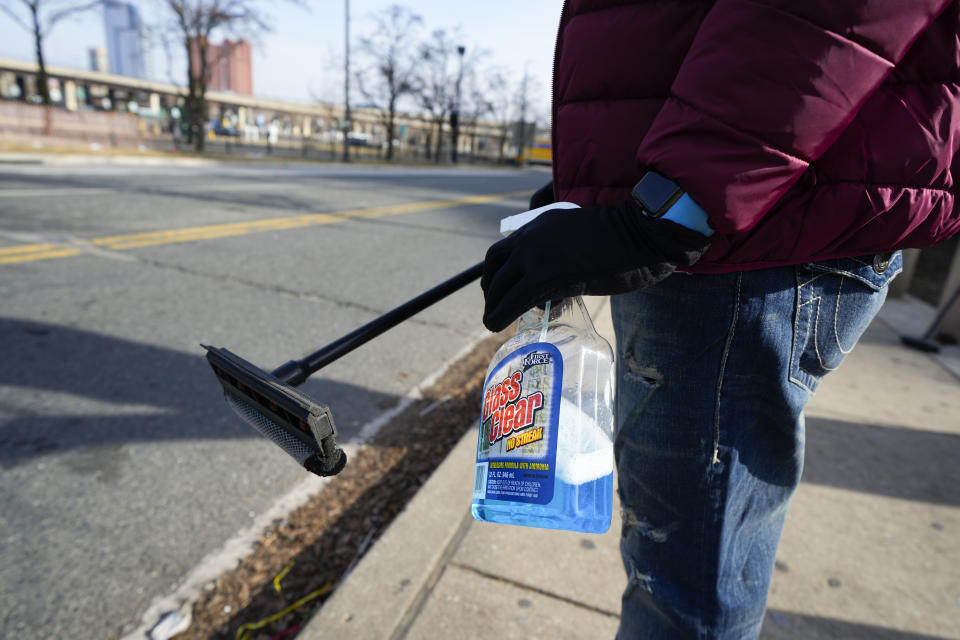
x=778, y=153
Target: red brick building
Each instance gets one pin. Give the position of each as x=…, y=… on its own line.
x=230, y=64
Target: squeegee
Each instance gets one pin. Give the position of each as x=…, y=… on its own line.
x=304, y=428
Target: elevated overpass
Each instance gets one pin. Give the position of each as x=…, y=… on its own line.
x=249, y=118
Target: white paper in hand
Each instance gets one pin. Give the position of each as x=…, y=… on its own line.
x=511, y=224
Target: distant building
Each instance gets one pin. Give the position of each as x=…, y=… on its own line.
x=230, y=64
x=128, y=40
x=98, y=60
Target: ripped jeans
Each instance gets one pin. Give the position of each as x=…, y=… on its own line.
x=713, y=373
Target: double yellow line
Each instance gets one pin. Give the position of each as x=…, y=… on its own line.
x=49, y=251
x=31, y=252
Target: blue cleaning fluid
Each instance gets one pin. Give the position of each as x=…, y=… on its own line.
x=545, y=442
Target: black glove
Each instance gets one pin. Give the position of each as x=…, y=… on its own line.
x=571, y=252
x=542, y=196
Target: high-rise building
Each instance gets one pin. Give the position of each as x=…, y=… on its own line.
x=230, y=66
x=128, y=40
x=98, y=60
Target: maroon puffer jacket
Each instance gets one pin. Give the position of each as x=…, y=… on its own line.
x=807, y=129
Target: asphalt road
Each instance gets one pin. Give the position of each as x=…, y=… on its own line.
x=120, y=465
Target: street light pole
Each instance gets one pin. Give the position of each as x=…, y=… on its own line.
x=455, y=113
x=347, y=125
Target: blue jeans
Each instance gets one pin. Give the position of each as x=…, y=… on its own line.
x=713, y=373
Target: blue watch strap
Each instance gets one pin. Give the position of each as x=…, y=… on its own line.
x=688, y=213
x=661, y=197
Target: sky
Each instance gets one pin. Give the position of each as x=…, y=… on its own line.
x=301, y=58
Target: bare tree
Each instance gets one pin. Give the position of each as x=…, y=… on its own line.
x=195, y=21
x=501, y=101
x=39, y=17
x=524, y=131
x=391, y=59
x=436, y=82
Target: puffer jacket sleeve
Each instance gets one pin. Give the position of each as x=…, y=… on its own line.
x=765, y=88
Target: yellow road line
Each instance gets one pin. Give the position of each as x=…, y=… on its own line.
x=30, y=253
x=42, y=255
x=26, y=248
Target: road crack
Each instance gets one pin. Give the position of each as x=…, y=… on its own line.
x=70, y=241
x=286, y=291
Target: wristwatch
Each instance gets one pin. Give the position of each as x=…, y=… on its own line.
x=660, y=197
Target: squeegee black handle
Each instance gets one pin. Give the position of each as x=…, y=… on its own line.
x=296, y=372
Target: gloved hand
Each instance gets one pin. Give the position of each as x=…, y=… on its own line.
x=570, y=252
x=542, y=196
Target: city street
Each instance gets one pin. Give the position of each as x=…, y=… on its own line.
x=120, y=465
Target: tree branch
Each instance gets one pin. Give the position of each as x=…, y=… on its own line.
x=13, y=16
x=57, y=16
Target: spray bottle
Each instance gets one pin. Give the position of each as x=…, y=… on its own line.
x=545, y=443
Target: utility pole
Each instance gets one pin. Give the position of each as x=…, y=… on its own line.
x=347, y=125
x=455, y=113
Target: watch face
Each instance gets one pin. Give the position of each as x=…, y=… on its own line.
x=656, y=194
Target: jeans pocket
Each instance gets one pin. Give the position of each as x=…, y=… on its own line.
x=835, y=302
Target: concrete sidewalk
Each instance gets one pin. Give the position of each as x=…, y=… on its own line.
x=871, y=548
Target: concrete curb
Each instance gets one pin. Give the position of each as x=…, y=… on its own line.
x=6, y=159
x=384, y=593
x=49, y=159
x=71, y=159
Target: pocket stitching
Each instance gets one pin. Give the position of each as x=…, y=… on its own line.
x=816, y=277
x=795, y=368
x=836, y=329
x=876, y=286
x=723, y=369
x=816, y=335
x=798, y=374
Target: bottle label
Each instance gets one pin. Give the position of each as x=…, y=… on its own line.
x=517, y=447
